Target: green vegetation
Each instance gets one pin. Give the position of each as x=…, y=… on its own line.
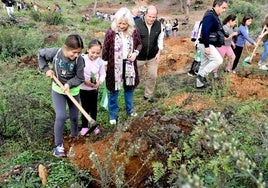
x=226, y=148
x=240, y=8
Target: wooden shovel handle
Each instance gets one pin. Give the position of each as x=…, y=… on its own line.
x=90, y=120
x=257, y=44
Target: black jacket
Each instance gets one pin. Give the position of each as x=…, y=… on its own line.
x=9, y=3
x=149, y=42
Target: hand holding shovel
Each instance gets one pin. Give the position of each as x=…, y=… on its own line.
x=90, y=120
x=258, y=42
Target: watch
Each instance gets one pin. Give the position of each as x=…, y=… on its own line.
x=137, y=52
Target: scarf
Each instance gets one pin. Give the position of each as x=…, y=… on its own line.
x=129, y=73
x=128, y=68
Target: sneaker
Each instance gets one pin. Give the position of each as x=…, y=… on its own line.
x=202, y=79
x=84, y=131
x=215, y=75
x=133, y=114
x=201, y=82
x=263, y=67
x=151, y=100
x=59, y=151
x=112, y=121
x=260, y=63
x=234, y=71
x=97, y=131
x=192, y=74
x=227, y=70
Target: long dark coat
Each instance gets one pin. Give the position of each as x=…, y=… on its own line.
x=108, y=55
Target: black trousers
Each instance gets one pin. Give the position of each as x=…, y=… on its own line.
x=89, y=101
x=237, y=51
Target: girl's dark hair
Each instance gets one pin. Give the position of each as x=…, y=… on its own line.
x=94, y=42
x=74, y=41
x=229, y=18
x=246, y=17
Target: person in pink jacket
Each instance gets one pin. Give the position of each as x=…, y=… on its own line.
x=94, y=73
x=227, y=48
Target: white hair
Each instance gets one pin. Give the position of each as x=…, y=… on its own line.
x=123, y=14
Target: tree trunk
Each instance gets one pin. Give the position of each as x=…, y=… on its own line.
x=181, y=6
x=95, y=6
x=187, y=7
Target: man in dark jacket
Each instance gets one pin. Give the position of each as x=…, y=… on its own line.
x=152, y=41
x=210, y=57
x=9, y=4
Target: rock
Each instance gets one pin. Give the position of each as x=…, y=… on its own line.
x=43, y=173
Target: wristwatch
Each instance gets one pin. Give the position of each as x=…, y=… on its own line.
x=137, y=52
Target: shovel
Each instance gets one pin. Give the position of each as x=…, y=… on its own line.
x=246, y=60
x=80, y=108
x=257, y=45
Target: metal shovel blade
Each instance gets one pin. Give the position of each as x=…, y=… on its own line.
x=246, y=61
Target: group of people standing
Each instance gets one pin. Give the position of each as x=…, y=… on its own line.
x=170, y=27
x=22, y=5
x=216, y=40
x=132, y=51
x=129, y=46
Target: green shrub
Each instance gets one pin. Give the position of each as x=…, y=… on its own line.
x=53, y=18
x=64, y=174
x=27, y=108
x=16, y=42
x=219, y=154
x=240, y=8
x=36, y=16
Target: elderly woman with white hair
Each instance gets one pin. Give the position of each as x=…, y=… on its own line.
x=121, y=46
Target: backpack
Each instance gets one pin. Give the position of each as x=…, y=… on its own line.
x=196, y=31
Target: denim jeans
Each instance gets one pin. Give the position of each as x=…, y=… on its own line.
x=113, y=103
x=265, y=52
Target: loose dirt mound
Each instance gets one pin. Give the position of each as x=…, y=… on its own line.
x=132, y=150
x=177, y=55
x=145, y=135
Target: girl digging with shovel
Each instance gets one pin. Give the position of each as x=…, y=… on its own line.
x=68, y=74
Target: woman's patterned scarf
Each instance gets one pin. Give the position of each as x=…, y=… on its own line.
x=118, y=61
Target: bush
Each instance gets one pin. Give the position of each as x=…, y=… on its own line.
x=26, y=109
x=36, y=16
x=16, y=42
x=53, y=18
x=219, y=154
x=240, y=8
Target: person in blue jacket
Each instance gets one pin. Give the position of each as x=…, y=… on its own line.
x=242, y=37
